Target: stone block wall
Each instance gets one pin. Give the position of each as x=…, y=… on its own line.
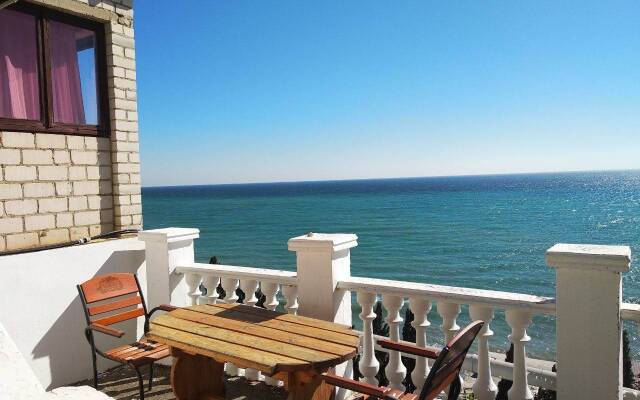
x=60, y=187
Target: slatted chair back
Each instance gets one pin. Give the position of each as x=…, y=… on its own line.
x=109, y=294
x=446, y=368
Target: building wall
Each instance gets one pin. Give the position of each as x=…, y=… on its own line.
x=54, y=187
x=43, y=314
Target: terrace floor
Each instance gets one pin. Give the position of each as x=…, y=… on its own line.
x=121, y=383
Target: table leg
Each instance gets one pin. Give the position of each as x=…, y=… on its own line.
x=195, y=377
x=308, y=385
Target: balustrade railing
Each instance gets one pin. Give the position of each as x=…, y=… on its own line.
x=586, y=277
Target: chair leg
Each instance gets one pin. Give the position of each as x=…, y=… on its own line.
x=95, y=370
x=454, y=389
x=140, y=382
x=150, y=376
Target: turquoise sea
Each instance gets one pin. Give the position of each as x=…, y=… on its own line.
x=488, y=232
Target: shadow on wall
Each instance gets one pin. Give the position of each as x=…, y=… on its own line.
x=65, y=344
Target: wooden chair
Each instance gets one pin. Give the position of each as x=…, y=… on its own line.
x=119, y=296
x=444, y=372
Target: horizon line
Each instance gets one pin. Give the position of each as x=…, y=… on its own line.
x=393, y=178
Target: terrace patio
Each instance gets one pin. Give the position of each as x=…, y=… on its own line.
x=590, y=313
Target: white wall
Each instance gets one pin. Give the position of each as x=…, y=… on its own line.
x=40, y=308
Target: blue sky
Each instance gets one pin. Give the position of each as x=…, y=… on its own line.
x=235, y=91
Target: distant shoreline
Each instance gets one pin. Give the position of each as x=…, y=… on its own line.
x=400, y=178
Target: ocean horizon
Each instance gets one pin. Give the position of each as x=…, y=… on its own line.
x=479, y=231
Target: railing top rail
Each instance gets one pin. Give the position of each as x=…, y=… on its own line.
x=630, y=312
x=232, y=271
x=460, y=295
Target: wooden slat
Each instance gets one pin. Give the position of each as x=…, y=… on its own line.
x=246, y=328
x=116, y=305
x=184, y=322
x=109, y=286
x=243, y=357
x=297, y=319
x=232, y=315
x=428, y=352
x=113, y=319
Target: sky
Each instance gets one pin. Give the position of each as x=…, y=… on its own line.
x=235, y=91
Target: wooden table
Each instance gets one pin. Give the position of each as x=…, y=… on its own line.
x=290, y=348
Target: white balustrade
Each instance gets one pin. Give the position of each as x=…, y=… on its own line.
x=395, y=370
x=450, y=328
x=192, y=281
x=368, y=362
x=519, y=320
x=249, y=287
x=270, y=290
x=210, y=283
x=420, y=308
x=229, y=285
x=290, y=293
x=484, y=388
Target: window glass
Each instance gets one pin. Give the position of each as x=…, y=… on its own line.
x=73, y=74
x=19, y=85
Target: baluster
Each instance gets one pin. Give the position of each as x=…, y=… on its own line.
x=420, y=309
x=368, y=362
x=519, y=320
x=230, y=285
x=449, y=313
x=193, y=285
x=290, y=293
x=395, y=370
x=484, y=388
x=270, y=290
x=210, y=282
x=249, y=287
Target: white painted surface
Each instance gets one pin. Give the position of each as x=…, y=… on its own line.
x=41, y=310
x=589, y=291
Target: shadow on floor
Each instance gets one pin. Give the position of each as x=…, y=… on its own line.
x=121, y=383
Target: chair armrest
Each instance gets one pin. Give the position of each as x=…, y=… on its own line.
x=428, y=352
x=163, y=307
x=360, y=387
x=106, y=330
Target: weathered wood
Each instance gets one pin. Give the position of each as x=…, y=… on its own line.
x=127, y=315
x=185, y=322
x=296, y=319
x=116, y=305
x=195, y=377
x=309, y=385
x=243, y=357
x=231, y=315
x=253, y=330
x=428, y=352
x=109, y=286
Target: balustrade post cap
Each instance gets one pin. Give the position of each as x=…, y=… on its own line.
x=168, y=235
x=589, y=257
x=323, y=242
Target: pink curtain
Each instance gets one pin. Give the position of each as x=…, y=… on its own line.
x=19, y=91
x=65, y=74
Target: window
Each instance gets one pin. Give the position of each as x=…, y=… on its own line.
x=52, y=72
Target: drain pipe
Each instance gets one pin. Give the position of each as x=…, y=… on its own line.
x=69, y=244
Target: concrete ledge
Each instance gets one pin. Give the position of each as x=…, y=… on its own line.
x=589, y=256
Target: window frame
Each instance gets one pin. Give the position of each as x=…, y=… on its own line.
x=46, y=123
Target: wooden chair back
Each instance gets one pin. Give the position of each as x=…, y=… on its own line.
x=108, y=294
x=446, y=368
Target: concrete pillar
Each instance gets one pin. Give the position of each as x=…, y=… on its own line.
x=166, y=249
x=323, y=260
x=588, y=297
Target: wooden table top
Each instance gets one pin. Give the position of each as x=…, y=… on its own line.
x=252, y=337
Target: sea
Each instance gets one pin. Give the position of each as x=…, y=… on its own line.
x=486, y=232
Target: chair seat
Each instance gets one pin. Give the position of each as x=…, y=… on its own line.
x=142, y=352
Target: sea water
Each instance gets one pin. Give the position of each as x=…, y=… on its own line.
x=487, y=232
